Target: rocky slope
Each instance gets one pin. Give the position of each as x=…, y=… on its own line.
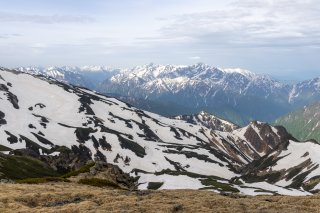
x=303, y=123
x=65, y=126
x=209, y=121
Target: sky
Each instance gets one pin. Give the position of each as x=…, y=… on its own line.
x=276, y=37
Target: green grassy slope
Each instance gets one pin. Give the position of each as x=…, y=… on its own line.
x=4, y=148
x=20, y=167
x=303, y=124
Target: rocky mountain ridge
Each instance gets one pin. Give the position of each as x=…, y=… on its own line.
x=209, y=121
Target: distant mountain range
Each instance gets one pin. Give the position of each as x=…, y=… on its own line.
x=86, y=76
x=234, y=94
x=65, y=126
x=304, y=123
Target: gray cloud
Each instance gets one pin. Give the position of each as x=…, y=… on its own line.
x=43, y=19
x=7, y=36
x=252, y=23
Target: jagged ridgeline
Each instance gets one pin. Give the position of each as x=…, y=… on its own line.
x=63, y=127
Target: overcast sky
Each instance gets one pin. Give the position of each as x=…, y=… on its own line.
x=277, y=37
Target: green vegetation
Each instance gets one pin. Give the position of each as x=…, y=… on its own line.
x=297, y=181
x=260, y=190
x=266, y=191
x=236, y=181
x=271, y=177
x=42, y=180
x=137, y=171
x=214, y=184
x=154, y=185
x=61, y=149
x=310, y=184
x=21, y=167
x=98, y=182
x=177, y=208
x=262, y=164
x=189, y=174
x=4, y=148
x=84, y=169
x=303, y=124
x=26, y=169
x=133, y=146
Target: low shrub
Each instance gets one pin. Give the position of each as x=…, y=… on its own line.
x=177, y=208
x=98, y=182
x=22, y=167
x=84, y=169
x=41, y=180
x=218, y=185
x=154, y=185
x=4, y=148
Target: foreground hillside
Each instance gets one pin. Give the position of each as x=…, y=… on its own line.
x=66, y=197
x=48, y=128
x=304, y=123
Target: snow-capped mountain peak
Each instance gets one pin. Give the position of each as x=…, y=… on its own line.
x=237, y=70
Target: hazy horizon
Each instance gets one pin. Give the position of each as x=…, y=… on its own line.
x=289, y=79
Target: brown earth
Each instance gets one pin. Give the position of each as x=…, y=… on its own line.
x=72, y=197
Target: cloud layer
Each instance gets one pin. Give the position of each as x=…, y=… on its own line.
x=43, y=19
x=252, y=23
x=279, y=37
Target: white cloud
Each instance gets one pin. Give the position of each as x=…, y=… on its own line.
x=195, y=57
